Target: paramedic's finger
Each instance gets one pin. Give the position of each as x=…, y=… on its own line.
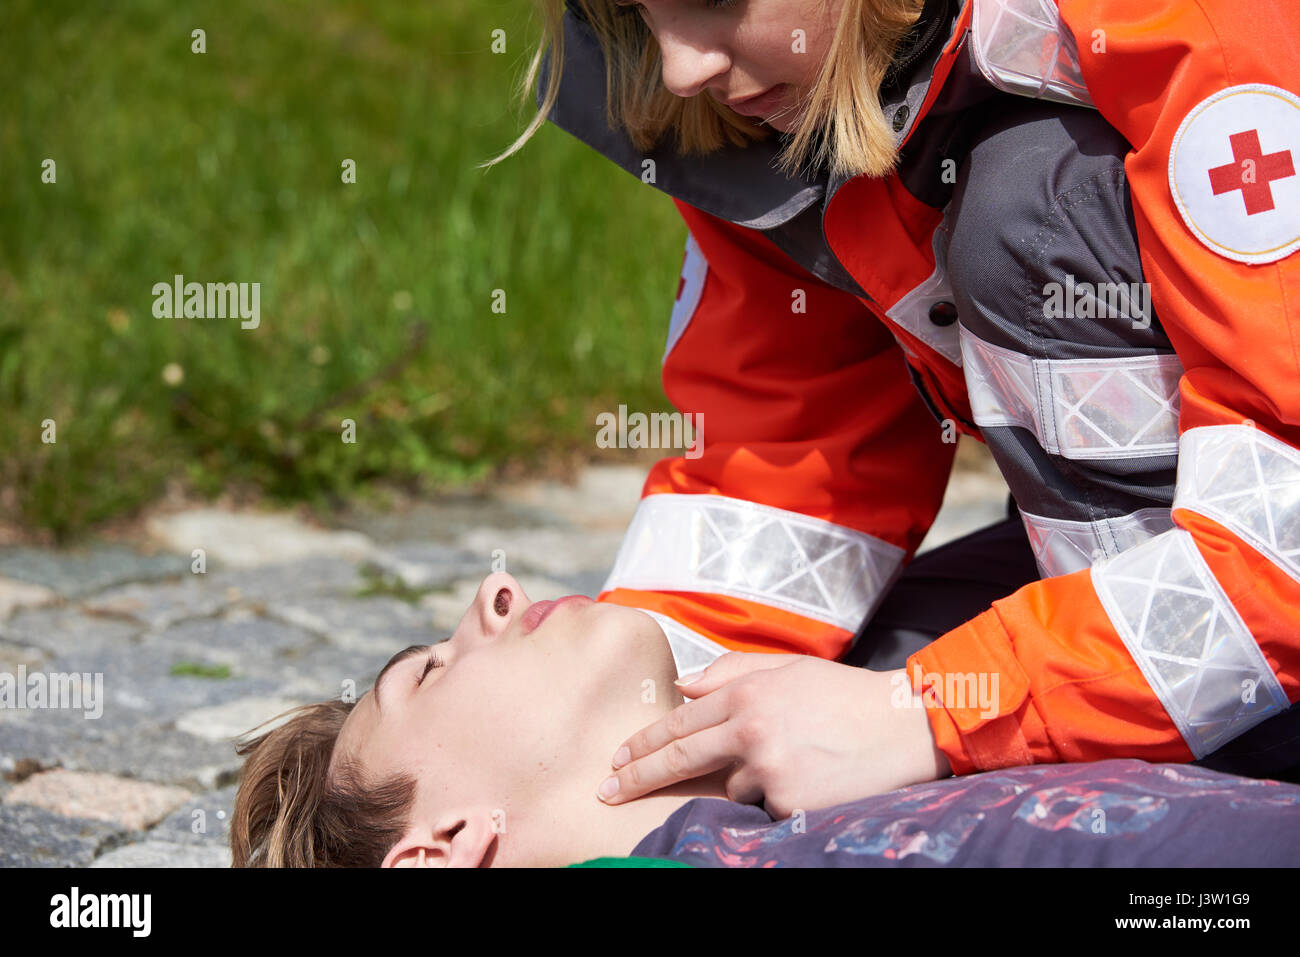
x=743, y=786
x=727, y=668
x=684, y=720
x=815, y=733
x=681, y=759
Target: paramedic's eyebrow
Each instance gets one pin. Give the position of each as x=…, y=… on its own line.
x=398, y=658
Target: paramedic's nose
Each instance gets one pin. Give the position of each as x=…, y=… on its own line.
x=690, y=63
x=499, y=601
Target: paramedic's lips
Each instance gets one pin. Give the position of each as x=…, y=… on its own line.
x=538, y=611
x=759, y=105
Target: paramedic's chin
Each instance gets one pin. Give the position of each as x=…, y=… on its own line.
x=506, y=736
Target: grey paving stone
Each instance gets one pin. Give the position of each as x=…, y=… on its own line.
x=248, y=539
x=425, y=565
x=442, y=521
x=164, y=854
x=549, y=551
x=148, y=751
x=234, y=719
x=318, y=575
x=321, y=675
x=139, y=687
x=126, y=802
x=203, y=821
x=78, y=572
x=33, y=837
x=13, y=656
x=158, y=606
x=249, y=645
x=359, y=624
x=16, y=594
x=67, y=631
x=602, y=496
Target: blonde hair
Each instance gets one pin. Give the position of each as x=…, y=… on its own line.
x=843, y=125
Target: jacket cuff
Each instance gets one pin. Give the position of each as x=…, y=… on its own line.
x=977, y=698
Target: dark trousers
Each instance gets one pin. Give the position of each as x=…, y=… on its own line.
x=951, y=584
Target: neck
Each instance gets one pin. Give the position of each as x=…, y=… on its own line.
x=567, y=823
x=580, y=826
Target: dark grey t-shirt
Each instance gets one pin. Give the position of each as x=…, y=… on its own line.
x=1108, y=813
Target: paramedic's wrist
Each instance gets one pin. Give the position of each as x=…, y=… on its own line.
x=921, y=741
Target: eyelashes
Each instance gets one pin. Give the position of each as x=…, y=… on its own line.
x=432, y=662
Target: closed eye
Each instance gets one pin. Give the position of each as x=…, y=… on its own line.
x=433, y=661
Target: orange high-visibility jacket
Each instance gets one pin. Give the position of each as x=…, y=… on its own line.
x=1086, y=259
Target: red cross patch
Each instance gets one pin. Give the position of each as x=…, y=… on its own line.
x=690, y=286
x=1232, y=172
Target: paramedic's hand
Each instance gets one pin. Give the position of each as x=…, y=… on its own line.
x=797, y=732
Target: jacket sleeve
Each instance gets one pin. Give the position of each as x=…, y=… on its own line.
x=1178, y=645
x=819, y=471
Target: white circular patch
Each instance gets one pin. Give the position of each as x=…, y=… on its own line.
x=1234, y=171
x=690, y=286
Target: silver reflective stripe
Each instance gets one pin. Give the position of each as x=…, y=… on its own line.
x=728, y=546
x=695, y=269
x=1062, y=546
x=692, y=652
x=1192, y=646
x=1248, y=482
x=1077, y=408
x=1022, y=47
x=912, y=312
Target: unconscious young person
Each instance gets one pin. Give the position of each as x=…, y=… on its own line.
x=484, y=751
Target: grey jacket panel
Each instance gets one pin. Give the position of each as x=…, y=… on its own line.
x=1055, y=487
x=1043, y=198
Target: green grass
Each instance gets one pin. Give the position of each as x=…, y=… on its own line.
x=379, y=583
x=195, y=669
x=376, y=298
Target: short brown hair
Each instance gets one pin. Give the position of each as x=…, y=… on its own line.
x=290, y=811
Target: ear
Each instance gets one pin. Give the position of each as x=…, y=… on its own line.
x=459, y=839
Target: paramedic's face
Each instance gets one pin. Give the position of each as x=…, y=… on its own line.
x=516, y=704
x=735, y=49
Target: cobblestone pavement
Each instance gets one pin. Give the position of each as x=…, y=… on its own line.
x=282, y=613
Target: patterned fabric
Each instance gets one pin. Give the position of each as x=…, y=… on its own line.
x=1110, y=813
x=628, y=862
